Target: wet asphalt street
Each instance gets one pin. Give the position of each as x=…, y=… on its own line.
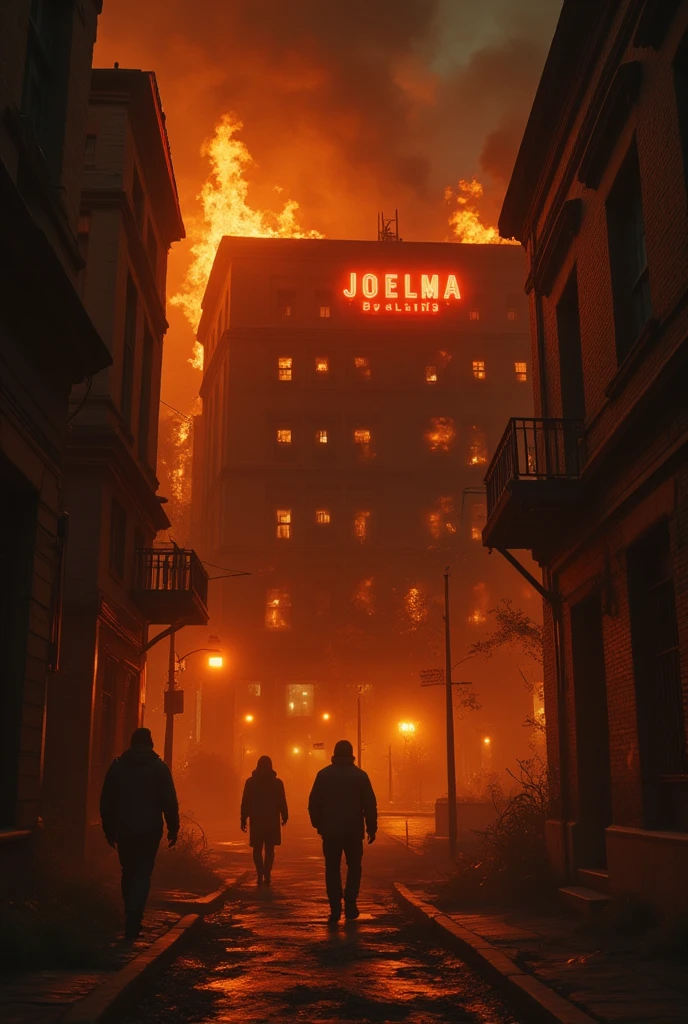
x=270, y=956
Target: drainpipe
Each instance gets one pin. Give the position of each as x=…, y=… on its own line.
x=562, y=720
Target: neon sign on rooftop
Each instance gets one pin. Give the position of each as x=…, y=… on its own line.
x=401, y=293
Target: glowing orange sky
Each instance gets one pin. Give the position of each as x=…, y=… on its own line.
x=349, y=107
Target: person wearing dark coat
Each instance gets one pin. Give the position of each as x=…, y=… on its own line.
x=138, y=791
x=342, y=807
x=264, y=805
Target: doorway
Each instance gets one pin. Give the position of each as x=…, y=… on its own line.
x=592, y=730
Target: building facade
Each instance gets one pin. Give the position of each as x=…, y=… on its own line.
x=129, y=217
x=47, y=344
x=352, y=395
x=596, y=486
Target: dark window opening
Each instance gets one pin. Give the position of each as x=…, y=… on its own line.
x=628, y=255
x=129, y=350
x=145, y=410
x=570, y=354
x=90, y=151
x=118, y=539
x=286, y=300
x=152, y=248
x=137, y=198
x=46, y=77
x=657, y=670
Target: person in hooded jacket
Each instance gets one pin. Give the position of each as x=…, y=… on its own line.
x=342, y=806
x=264, y=805
x=138, y=791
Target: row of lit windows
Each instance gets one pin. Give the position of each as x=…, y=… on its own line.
x=285, y=367
x=439, y=436
x=441, y=521
x=415, y=602
x=286, y=305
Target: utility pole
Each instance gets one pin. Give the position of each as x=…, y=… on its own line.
x=359, y=726
x=169, y=704
x=451, y=766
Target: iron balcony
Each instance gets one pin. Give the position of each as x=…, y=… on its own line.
x=533, y=483
x=171, y=586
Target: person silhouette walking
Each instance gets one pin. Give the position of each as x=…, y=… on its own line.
x=138, y=791
x=342, y=808
x=264, y=805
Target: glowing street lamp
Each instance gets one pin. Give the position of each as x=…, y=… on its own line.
x=296, y=750
x=215, y=661
x=406, y=728
x=248, y=718
x=326, y=716
x=487, y=741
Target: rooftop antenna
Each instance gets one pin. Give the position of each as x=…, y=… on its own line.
x=388, y=228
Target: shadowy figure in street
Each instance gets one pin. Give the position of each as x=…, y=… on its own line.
x=137, y=792
x=264, y=804
x=341, y=803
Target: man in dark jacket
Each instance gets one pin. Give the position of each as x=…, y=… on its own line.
x=341, y=806
x=264, y=804
x=137, y=792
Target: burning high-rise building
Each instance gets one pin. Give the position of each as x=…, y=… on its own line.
x=353, y=393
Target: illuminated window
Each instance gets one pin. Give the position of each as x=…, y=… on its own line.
x=361, y=526
x=277, y=609
x=362, y=365
x=285, y=304
x=283, y=436
x=441, y=434
x=512, y=315
x=322, y=516
x=284, y=367
x=477, y=451
x=362, y=436
x=474, y=314
x=321, y=436
x=521, y=371
x=479, y=369
x=431, y=374
x=253, y=689
x=322, y=364
x=283, y=523
x=363, y=597
x=442, y=519
x=478, y=520
x=324, y=311
x=300, y=699
x=416, y=605
x=480, y=600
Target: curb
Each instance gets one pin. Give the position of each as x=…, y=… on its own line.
x=109, y=1001
x=531, y=995
x=211, y=903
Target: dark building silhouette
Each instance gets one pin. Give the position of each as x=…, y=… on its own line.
x=48, y=343
x=116, y=584
x=352, y=394
x=596, y=486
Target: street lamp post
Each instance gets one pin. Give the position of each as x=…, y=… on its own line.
x=171, y=707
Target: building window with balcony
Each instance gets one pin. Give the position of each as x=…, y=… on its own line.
x=474, y=314
x=431, y=374
x=277, y=609
x=300, y=699
x=283, y=435
x=477, y=450
x=362, y=367
x=284, y=367
x=283, y=516
x=362, y=526
x=479, y=369
x=118, y=539
x=322, y=364
x=628, y=256
x=440, y=434
x=521, y=371
x=322, y=516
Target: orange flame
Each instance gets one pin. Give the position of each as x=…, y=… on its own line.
x=227, y=212
x=465, y=221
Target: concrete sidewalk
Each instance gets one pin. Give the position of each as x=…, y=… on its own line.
x=612, y=977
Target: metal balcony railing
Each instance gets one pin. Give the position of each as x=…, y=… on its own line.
x=163, y=575
x=535, y=449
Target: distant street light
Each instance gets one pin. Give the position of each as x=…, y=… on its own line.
x=487, y=740
x=176, y=664
x=296, y=750
x=215, y=661
x=326, y=717
x=248, y=718
x=407, y=727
